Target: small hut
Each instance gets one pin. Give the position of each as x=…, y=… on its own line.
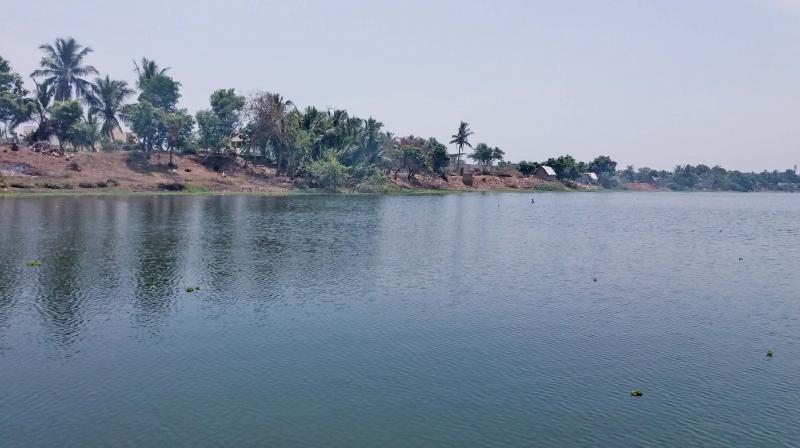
x=545, y=172
x=588, y=178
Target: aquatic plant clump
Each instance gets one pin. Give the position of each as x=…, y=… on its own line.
x=770, y=354
x=637, y=393
x=193, y=289
x=33, y=263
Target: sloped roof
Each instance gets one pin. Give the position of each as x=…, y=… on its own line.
x=550, y=171
x=590, y=175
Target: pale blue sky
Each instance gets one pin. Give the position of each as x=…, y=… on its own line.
x=650, y=83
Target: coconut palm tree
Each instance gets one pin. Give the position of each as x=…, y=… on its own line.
x=42, y=101
x=62, y=67
x=106, y=101
x=147, y=70
x=461, y=137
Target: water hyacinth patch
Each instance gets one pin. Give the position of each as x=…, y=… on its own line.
x=33, y=263
x=637, y=393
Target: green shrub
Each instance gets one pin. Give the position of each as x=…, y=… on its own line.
x=328, y=172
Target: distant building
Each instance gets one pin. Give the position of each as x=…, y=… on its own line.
x=545, y=172
x=588, y=178
x=456, y=162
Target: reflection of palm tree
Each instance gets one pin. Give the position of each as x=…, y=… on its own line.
x=106, y=100
x=461, y=138
x=62, y=68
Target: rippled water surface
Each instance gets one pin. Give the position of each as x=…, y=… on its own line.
x=457, y=320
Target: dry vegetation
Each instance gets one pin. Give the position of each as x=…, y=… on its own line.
x=28, y=171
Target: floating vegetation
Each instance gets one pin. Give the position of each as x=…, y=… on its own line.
x=33, y=263
x=637, y=393
x=193, y=289
x=770, y=354
x=594, y=279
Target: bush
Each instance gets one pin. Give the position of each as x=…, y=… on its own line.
x=328, y=172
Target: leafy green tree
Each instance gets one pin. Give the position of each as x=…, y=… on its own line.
x=628, y=174
x=64, y=116
x=161, y=91
x=15, y=109
x=413, y=160
x=218, y=125
x=485, y=155
x=461, y=138
x=438, y=159
x=566, y=167
x=106, y=100
x=10, y=81
x=210, y=129
x=228, y=107
x=528, y=168
x=178, y=127
x=603, y=166
x=84, y=134
x=148, y=69
x=145, y=121
x=62, y=67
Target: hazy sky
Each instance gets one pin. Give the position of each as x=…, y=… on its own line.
x=648, y=82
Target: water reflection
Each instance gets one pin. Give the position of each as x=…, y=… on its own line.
x=101, y=255
x=434, y=320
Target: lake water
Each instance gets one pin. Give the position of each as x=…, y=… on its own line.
x=401, y=321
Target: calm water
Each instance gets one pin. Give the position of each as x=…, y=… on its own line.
x=457, y=320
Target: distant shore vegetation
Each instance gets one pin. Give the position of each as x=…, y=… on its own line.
x=73, y=107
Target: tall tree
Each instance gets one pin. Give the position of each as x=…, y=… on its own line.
x=148, y=69
x=227, y=106
x=106, y=100
x=177, y=130
x=145, y=122
x=42, y=102
x=161, y=91
x=461, y=138
x=62, y=66
x=270, y=128
x=222, y=121
x=485, y=155
x=15, y=108
x=10, y=81
x=437, y=157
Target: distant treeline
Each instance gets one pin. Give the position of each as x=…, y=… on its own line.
x=682, y=178
x=84, y=111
